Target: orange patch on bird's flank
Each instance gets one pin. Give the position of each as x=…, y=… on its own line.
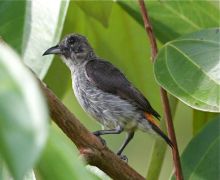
x=150, y=118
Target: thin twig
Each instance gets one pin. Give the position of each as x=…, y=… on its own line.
x=88, y=145
x=164, y=97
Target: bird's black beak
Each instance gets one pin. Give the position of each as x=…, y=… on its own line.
x=53, y=50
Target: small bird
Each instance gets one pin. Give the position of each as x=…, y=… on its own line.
x=105, y=93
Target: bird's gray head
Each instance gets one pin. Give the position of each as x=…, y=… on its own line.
x=74, y=49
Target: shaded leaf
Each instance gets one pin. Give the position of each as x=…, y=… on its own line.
x=23, y=120
x=97, y=9
x=200, y=119
x=200, y=160
x=189, y=69
x=11, y=21
x=176, y=17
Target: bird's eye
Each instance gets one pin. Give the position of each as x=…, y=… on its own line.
x=72, y=40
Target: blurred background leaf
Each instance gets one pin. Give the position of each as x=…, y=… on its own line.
x=97, y=10
x=23, y=120
x=60, y=161
x=200, y=160
x=182, y=69
x=5, y=175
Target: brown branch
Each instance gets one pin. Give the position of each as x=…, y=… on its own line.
x=164, y=97
x=88, y=145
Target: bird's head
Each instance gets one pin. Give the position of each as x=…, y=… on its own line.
x=74, y=48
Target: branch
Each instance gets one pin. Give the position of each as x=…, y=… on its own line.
x=164, y=97
x=88, y=145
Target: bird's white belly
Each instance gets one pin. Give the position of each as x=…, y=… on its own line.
x=110, y=110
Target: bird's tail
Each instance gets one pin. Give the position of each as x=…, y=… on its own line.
x=160, y=132
x=156, y=128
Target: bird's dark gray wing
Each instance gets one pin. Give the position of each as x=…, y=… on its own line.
x=108, y=78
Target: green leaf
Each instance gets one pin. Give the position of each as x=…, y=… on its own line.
x=5, y=175
x=200, y=119
x=23, y=120
x=64, y=84
x=12, y=18
x=200, y=160
x=188, y=68
x=30, y=176
x=31, y=27
x=97, y=9
x=60, y=161
x=176, y=17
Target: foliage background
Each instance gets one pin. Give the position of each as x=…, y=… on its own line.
x=116, y=32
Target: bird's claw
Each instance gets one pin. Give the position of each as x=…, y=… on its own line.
x=101, y=139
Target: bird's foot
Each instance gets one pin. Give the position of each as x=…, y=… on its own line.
x=100, y=138
x=123, y=157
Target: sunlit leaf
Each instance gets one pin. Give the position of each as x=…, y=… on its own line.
x=31, y=27
x=189, y=69
x=45, y=22
x=23, y=120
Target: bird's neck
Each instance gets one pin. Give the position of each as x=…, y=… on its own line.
x=78, y=60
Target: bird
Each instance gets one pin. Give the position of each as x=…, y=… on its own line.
x=105, y=93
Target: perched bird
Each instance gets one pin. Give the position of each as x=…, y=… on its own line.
x=104, y=92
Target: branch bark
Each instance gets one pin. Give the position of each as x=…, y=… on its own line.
x=164, y=97
x=88, y=145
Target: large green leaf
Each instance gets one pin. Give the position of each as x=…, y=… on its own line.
x=23, y=120
x=12, y=18
x=31, y=27
x=5, y=175
x=45, y=25
x=189, y=69
x=171, y=19
x=60, y=161
x=200, y=160
x=99, y=10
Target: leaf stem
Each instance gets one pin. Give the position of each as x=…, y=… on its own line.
x=164, y=97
